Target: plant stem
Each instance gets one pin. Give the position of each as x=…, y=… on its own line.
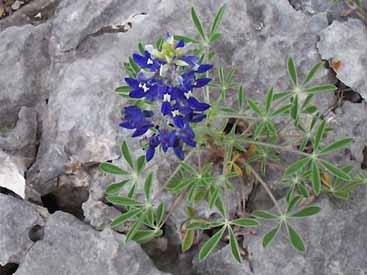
x=266, y=187
x=278, y=147
x=172, y=175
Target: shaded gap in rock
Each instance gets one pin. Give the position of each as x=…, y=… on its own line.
x=364, y=161
x=8, y=269
x=345, y=93
x=66, y=199
x=36, y=233
x=6, y=191
x=165, y=252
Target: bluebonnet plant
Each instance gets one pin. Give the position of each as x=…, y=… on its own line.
x=167, y=78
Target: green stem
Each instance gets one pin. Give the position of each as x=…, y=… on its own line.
x=266, y=187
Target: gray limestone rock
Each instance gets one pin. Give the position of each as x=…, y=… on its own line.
x=346, y=43
x=335, y=241
x=17, y=220
x=71, y=247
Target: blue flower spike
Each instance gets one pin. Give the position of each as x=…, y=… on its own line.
x=167, y=78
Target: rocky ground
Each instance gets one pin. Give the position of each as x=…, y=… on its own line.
x=59, y=116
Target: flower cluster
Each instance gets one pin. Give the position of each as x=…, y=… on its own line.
x=167, y=80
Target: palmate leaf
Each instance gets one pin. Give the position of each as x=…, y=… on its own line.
x=245, y=222
x=337, y=145
x=159, y=214
x=264, y=215
x=295, y=238
x=126, y=216
x=217, y=19
x=148, y=186
x=321, y=89
x=316, y=181
x=270, y=236
x=115, y=187
x=312, y=72
x=186, y=39
x=210, y=244
x=134, y=229
x=337, y=172
x=254, y=106
x=241, y=98
x=235, y=249
x=268, y=100
x=197, y=23
x=292, y=72
x=296, y=166
x=126, y=153
x=123, y=201
x=306, y=212
x=140, y=164
x=144, y=236
x=112, y=169
x=319, y=134
x=187, y=240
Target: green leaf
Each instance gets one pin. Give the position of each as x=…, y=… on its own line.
x=234, y=245
x=125, y=216
x=339, y=173
x=112, y=169
x=217, y=20
x=321, y=89
x=188, y=240
x=319, y=134
x=144, y=236
x=141, y=48
x=149, y=216
x=159, y=214
x=198, y=224
x=115, y=187
x=240, y=98
x=186, y=39
x=140, y=164
x=296, y=166
x=214, y=37
x=197, y=23
x=213, y=197
x=132, y=190
x=220, y=205
x=282, y=110
x=316, y=182
x=245, y=222
x=254, y=106
x=188, y=168
x=210, y=244
x=126, y=153
x=292, y=72
x=268, y=100
x=264, y=215
x=182, y=185
x=148, y=186
x=305, y=212
x=134, y=229
x=270, y=236
x=294, y=108
x=312, y=72
x=293, y=202
x=123, y=201
x=123, y=90
x=341, y=143
x=295, y=238
x=133, y=65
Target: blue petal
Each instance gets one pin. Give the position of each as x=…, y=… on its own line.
x=178, y=121
x=141, y=131
x=133, y=83
x=127, y=125
x=200, y=106
x=180, y=44
x=204, y=68
x=201, y=82
x=139, y=93
x=179, y=153
x=150, y=153
x=166, y=108
x=140, y=60
x=197, y=117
